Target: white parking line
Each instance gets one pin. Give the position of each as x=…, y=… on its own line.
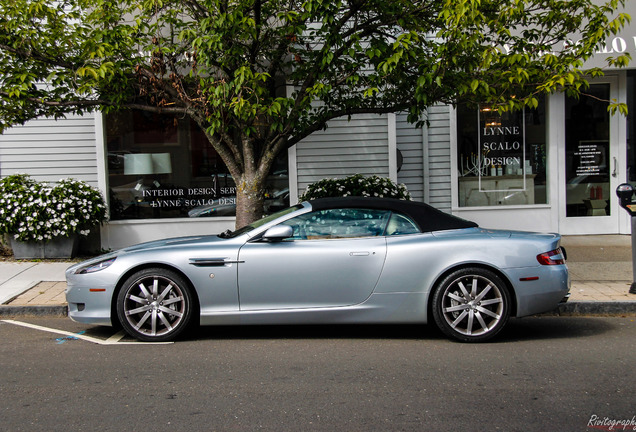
x=116, y=337
x=113, y=340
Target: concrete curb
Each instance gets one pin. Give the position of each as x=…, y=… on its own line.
x=597, y=308
x=39, y=311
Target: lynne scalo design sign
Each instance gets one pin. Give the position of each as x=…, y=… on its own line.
x=502, y=150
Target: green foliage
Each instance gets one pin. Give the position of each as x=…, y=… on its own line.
x=225, y=63
x=356, y=185
x=33, y=211
x=259, y=76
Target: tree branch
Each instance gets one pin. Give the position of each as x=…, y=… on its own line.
x=34, y=54
x=330, y=115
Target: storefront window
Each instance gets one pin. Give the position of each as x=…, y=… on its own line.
x=164, y=167
x=501, y=157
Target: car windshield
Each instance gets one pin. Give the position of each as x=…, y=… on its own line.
x=259, y=223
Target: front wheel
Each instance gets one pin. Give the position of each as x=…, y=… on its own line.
x=471, y=305
x=154, y=305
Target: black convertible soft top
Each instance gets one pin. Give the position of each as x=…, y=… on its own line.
x=426, y=217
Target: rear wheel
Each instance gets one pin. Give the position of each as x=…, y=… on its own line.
x=154, y=305
x=471, y=305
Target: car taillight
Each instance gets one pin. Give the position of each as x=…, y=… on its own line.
x=553, y=257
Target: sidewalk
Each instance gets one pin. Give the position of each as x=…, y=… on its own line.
x=32, y=288
x=600, y=269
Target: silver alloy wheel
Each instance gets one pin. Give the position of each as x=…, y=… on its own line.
x=472, y=305
x=154, y=306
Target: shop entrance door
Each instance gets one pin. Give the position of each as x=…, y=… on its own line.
x=589, y=163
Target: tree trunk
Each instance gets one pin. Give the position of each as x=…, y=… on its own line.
x=249, y=199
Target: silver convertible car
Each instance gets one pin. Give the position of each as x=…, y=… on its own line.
x=327, y=261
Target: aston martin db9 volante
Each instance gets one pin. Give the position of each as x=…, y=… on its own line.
x=327, y=261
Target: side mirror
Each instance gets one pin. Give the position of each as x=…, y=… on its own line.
x=624, y=192
x=278, y=233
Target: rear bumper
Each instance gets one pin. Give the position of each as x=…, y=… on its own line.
x=551, y=289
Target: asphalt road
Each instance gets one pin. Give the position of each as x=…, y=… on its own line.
x=543, y=374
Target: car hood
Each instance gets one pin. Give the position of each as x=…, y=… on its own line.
x=154, y=246
x=173, y=242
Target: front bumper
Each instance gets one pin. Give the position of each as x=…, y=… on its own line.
x=89, y=296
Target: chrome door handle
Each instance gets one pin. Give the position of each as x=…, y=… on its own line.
x=615, y=173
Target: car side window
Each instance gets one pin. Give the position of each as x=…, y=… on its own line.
x=339, y=223
x=400, y=225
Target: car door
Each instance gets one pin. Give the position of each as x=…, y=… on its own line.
x=334, y=258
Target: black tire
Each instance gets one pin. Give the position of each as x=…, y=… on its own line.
x=471, y=305
x=155, y=305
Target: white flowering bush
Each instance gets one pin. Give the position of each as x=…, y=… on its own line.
x=34, y=211
x=356, y=185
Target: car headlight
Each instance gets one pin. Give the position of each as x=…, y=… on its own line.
x=95, y=267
